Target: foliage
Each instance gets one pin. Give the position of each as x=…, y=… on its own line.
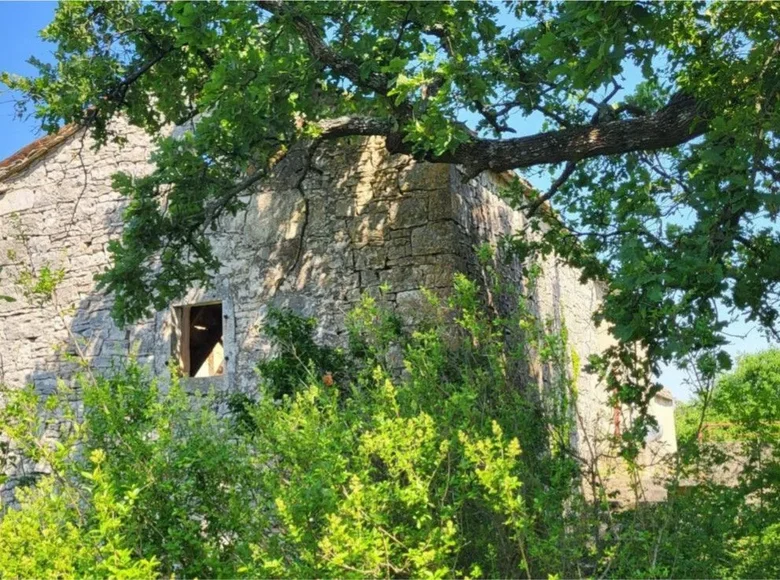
x=750, y=398
x=67, y=528
x=299, y=359
x=663, y=116
x=742, y=402
x=443, y=471
x=39, y=287
x=721, y=521
x=455, y=465
x=173, y=486
x=54, y=535
x=689, y=417
x=750, y=395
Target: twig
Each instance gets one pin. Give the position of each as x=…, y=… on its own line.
x=547, y=112
x=557, y=184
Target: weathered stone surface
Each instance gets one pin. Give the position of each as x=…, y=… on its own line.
x=409, y=212
x=397, y=249
x=434, y=238
x=370, y=258
x=369, y=219
x=422, y=177
x=415, y=304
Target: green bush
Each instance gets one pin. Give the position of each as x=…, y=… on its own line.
x=744, y=404
x=346, y=465
x=369, y=472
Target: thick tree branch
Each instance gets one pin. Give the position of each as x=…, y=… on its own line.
x=677, y=123
x=355, y=125
x=673, y=125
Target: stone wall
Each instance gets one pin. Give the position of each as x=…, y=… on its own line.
x=362, y=220
x=61, y=211
x=560, y=300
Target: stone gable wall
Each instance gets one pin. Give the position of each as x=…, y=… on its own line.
x=560, y=300
x=61, y=211
x=362, y=220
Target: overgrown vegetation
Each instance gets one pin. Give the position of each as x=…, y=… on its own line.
x=742, y=404
x=346, y=465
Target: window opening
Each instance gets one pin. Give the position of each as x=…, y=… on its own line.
x=202, y=352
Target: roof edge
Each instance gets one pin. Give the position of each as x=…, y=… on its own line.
x=32, y=152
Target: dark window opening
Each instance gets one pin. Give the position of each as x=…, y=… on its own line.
x=201, y=349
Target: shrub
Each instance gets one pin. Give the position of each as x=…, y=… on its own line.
x=346, y=465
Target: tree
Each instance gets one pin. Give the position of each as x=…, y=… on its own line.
x=742, y=404
x=729, y=448
x=660, y=118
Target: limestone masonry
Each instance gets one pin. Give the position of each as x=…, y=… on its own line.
x=367, y=219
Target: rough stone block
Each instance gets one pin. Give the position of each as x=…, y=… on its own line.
x=424, y=176
x=413, y=306
x=442, y=205
x=369, y=278
x=398, y=249
x=401, y=278
x=408, y=212
x=438, y=275
x=16, y=201
x=434, y=238
x=367, y=230
x=370, y=258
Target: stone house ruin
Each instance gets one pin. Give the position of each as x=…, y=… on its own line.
x=368, y=219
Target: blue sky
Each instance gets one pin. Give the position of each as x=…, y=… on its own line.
x=20, y=23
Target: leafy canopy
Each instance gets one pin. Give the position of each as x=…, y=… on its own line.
x=659, y=122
